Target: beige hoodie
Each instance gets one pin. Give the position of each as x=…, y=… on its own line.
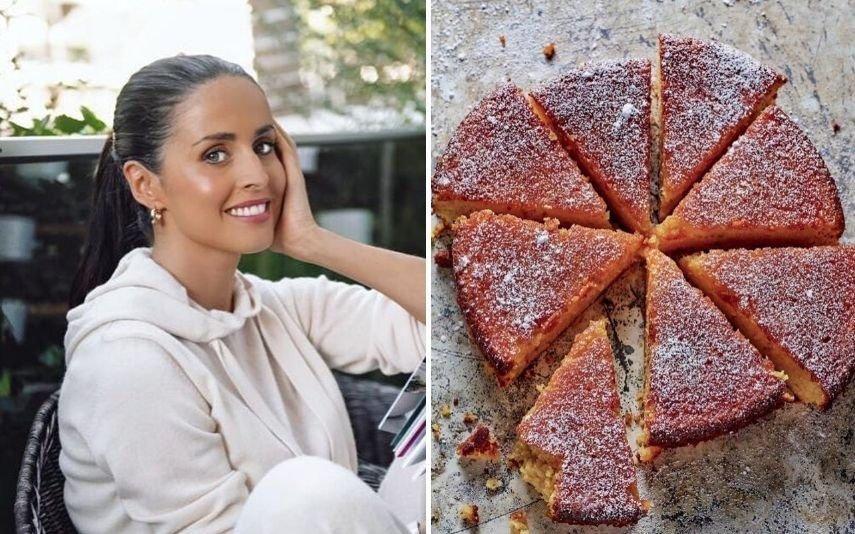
x=170, y=414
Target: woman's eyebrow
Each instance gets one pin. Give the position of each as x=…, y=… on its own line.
x=227, y=136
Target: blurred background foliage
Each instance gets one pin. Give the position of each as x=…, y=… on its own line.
x=373, y=51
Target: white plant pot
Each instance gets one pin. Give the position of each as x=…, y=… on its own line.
x=17, y=238
x=47, y=170
x=353, y=223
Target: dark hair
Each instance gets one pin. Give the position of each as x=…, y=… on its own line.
x=141, y=124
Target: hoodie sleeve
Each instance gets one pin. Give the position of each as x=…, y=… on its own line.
x=356, y=330
x=149, y=429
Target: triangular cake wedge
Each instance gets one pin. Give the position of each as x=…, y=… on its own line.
x=572, y=445
x=503, y=158
x=521, y=283
x=703, y=378
x=770, y=188
x=709, y=94
x=796, y=304
x=602, y=113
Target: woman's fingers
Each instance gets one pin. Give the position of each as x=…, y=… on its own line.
x=284, y=135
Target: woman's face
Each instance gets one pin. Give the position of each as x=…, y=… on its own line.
x=220, y=154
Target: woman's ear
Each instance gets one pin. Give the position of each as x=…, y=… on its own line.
x=144, y=184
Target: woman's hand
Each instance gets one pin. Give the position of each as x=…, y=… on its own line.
x=296, y=228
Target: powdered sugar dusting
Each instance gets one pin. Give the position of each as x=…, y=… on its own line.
x=576, y=419
x=502, y=153
x=773, y=178
x=522, y=274
x=709, y=93
x=802, y=298
x=626, y=112
x=604, y=111
x=705, y=377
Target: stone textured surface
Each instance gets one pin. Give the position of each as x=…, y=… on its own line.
x=794, y=471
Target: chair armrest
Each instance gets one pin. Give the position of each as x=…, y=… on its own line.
x=367, y=402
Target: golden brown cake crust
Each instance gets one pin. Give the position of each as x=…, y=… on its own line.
x=603, y=112
x=576, y=419
x=502, y=157
x=709, y=94
x=803, y=299
x=517, y=279
x=704, y=377
x=771, y=187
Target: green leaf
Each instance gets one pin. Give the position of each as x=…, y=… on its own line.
x=89, y=118
x=18, y=130
x=52, y=356
x=6, y=384
x=68, y=125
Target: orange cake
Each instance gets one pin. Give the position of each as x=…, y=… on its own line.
x=503, y=158
x=771, y=187
x=521, y=283
x=703, y=378
x=710, y=92
x=602, y=112
x=796, y=304
x=572, y=444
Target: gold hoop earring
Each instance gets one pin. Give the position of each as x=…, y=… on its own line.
x=156, y=215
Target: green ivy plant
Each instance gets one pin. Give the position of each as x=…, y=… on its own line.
x=90, y=124
x=5, y=384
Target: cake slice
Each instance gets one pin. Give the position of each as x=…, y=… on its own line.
x=521, y=283
x=770, y=188
x=602, y=114
x=703, y=378
x=572, y=444
x=710, y=92
x=503, y=158
x=796, y=304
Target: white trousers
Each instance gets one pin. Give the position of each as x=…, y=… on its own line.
x=310, y=494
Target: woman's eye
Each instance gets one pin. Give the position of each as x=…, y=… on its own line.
x=265, y=147
x=215, y=156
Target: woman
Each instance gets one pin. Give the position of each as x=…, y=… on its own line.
x=198, y=398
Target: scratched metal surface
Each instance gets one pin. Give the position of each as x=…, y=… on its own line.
x=794, y=471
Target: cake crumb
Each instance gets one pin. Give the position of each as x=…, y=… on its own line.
x=455, y=401
x=436, y=430
x=540, y=387
x=493, y=484
x=503, y=40
x=444, y=410
x=480, y=445
x=551, y=223
x=439, y=229
x=835, y=126
x=519, y=523
x=469, y=514
x=549, y=51
x=470, y=418
x=442, y=258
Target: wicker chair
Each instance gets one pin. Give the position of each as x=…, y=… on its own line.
x=39, y=505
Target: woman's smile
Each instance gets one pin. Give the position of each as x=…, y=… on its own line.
x=254, y=213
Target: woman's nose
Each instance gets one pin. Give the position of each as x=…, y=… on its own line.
x=253, y=173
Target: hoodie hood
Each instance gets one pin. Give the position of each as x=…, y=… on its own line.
x=140, y=289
